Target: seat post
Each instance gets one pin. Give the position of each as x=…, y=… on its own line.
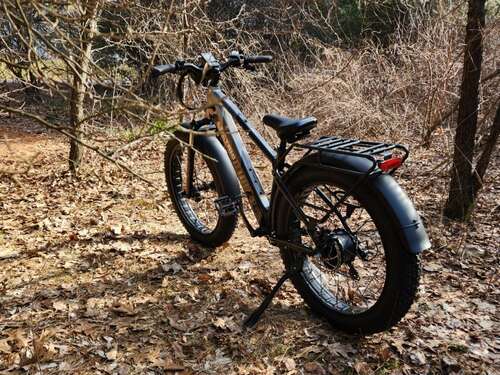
x=280, y=157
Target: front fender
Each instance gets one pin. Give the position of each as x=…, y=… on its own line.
x=398, y=206
x=211, y=146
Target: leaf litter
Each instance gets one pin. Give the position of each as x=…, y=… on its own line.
x=98, y=275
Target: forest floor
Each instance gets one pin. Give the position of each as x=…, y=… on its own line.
x=97, y=276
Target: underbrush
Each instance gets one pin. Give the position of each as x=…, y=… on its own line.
x=405, y=91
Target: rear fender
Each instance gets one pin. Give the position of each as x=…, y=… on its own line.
x=398, y=206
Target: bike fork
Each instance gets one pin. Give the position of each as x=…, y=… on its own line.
x=187, y=184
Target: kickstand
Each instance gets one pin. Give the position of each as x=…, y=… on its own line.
x=254, y=317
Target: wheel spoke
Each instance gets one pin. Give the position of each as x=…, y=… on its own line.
x=332, y=283
x=199, y=206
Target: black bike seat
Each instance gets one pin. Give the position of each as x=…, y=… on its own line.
x=290, y=129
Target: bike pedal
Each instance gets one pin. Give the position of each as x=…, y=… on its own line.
x=227, y=206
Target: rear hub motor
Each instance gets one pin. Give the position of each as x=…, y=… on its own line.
x=337, y=247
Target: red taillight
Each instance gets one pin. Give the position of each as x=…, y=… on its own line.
x=390, y=164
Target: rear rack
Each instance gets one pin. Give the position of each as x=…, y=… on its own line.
x=376, y=152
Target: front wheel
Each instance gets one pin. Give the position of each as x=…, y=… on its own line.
x=361, y=279
x=196, y=205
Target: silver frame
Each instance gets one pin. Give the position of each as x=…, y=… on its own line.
x=226, y=112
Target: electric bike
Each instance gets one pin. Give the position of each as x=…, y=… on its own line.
x=348, y=235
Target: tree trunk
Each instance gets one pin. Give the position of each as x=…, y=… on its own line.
x=78, y=90
x=461, y=193
x=485, y=157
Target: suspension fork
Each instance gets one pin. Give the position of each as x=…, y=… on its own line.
x=187, y=184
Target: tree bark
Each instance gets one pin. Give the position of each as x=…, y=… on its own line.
x=79, y=90
x=461, y=193
x=489, y=147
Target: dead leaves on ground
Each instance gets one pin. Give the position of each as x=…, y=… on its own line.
x=98, y=275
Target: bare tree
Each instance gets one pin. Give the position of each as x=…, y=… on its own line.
x=462, y=194
x=80, y=75
x=486, y=155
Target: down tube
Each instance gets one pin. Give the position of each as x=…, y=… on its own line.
x=245, y=171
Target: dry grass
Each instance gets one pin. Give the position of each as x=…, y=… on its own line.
x=395, y=93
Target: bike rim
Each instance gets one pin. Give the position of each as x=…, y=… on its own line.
x=333, y=284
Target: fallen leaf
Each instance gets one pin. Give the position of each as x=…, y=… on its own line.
x=418, y=358
x=309, y=349
x=314, y=368
x=398, y=345
x=362, y=368
x=117, y=229
x=344, y=350
x=124, y=308
x=174, y=267
x=8, y=253
x=384, y=353
x=175, y=324
x=289, y=364
x=4, y=346
x=112, y=354
x=60, y=305
x=121, y=246
x=204, y=277
x=220, y=323
x=432, y=267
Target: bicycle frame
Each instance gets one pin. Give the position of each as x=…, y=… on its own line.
x=226, y=112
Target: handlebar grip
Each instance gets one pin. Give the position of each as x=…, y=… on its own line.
x=258, y=59
x=159, y=70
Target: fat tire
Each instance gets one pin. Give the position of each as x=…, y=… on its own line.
x=402, y=267
x=225, y=224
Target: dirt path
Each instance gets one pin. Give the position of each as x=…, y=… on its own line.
x=98, y=276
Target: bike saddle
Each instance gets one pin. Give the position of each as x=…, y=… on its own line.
x=290, y=129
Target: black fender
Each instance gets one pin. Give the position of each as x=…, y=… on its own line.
x=398, y=206
x=211, y=146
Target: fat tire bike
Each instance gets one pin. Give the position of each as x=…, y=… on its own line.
x=348, y=235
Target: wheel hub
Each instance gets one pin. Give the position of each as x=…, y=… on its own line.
x=337, y=247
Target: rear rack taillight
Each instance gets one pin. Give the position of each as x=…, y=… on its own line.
x=388, y=157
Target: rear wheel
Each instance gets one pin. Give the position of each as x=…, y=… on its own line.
x=361, y=279
x=197, y=209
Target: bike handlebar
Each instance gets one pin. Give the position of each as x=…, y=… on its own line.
x=196, y=71
x=258, y=59
x=159, y=70
x=208, y=71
